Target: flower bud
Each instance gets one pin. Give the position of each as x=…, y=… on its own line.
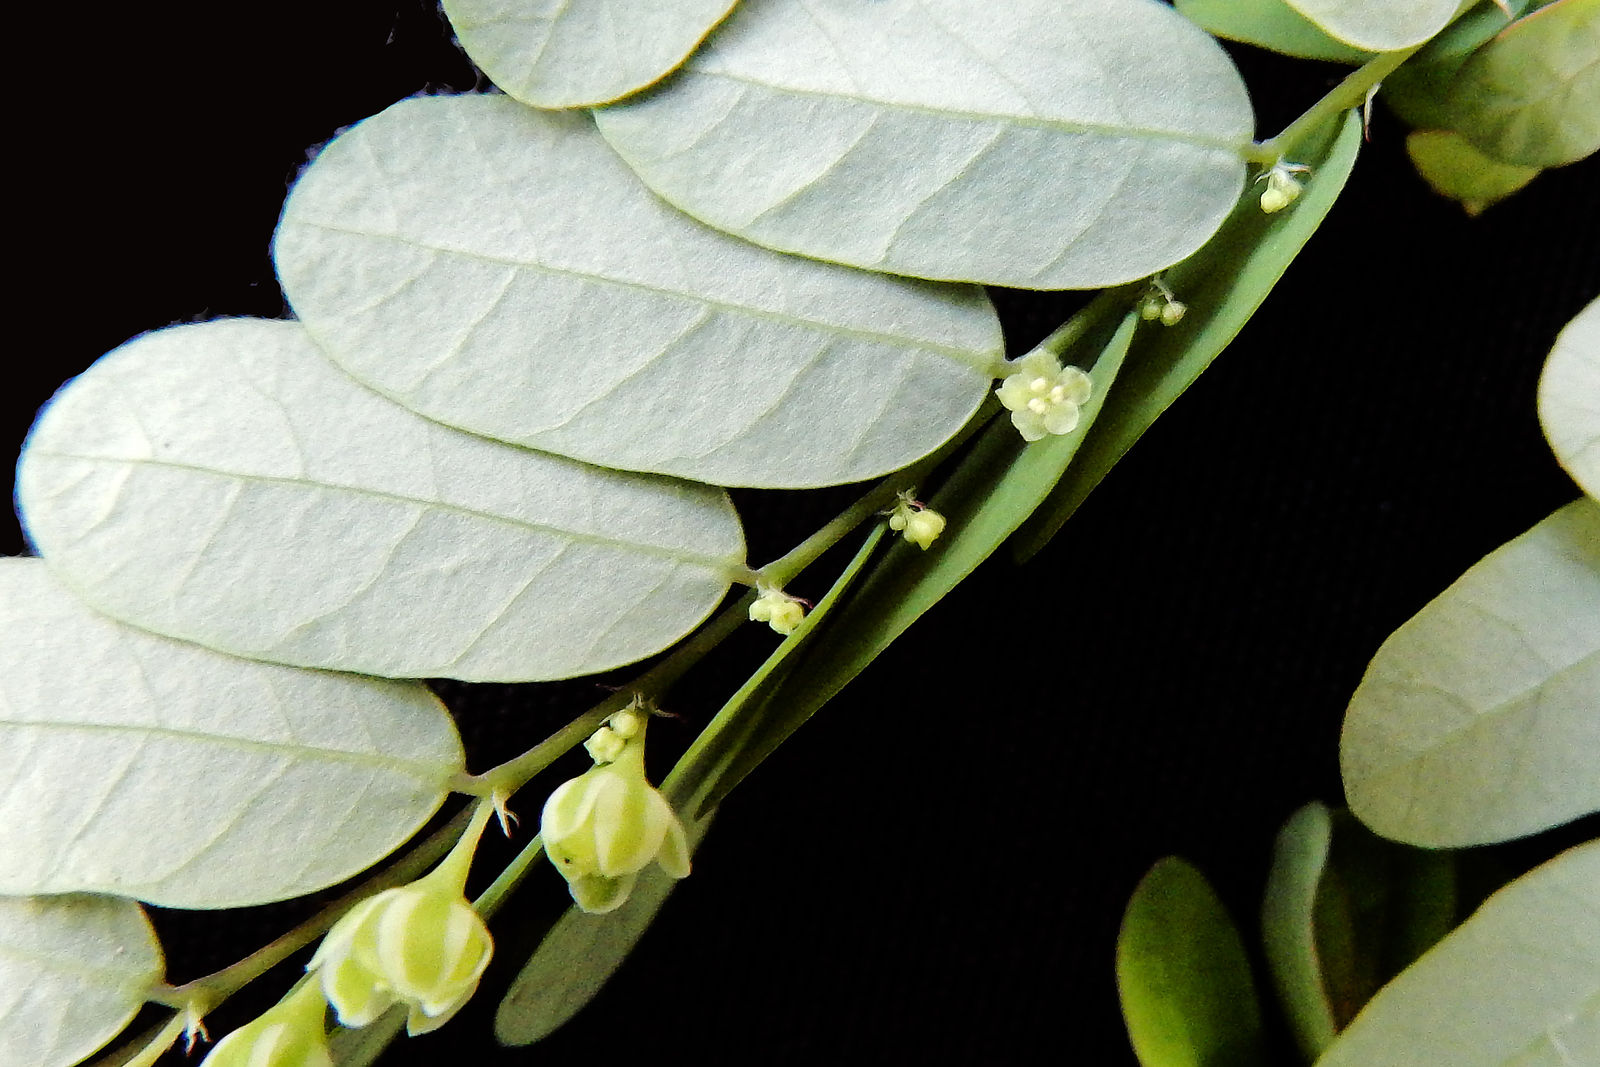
x=605, y=826
x=289, y=1034
x=421, y=945
x=1173, y=313
x=778, y=610
x=920, y=524
x=1151, y=306
x=1282, y=188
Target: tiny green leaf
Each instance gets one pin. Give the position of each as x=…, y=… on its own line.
x=1038, y=143
x=1452, y=167
x=1476, y=720
x=1569, y=399
x=1381, y=26
x=580, y=52
x=1516, y=985
x=1532, y=95
x=500, y=270
x=581, y=953
x=155, y=769
x=74, y=970
x=1269, y=24
x=1223, y=284
x=224, y=483
x=1187, y=996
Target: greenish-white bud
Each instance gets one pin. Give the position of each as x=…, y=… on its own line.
x=421, y=945
x=603, y=827
x=1173, y=313
x=920, y=524
x=778, y=610
x=289, y=1034
x=1151, y=306
x=1282, y=188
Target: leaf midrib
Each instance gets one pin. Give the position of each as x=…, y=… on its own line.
x=730, y=569
x=435, y=774
x=980, y=361
x=1067, y=126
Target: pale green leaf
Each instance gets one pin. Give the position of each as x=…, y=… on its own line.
x=1420, y=90
x=1223, y=284
x=1452, y=167
x=226, y=484
x=576, y=53
x=500, y=270
x=1532, y=95
x=155, y=769
x=1187, y=996
x=1378, y=25
x=1288, y=926
x=1476, y=720
x=1344, y=912
x=581, y=953
x=1516, y=985
x=1038, y=143
x=1269, y=24
x=73, y=972
x=1569, y=399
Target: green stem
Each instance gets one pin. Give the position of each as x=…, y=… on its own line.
x=1352, y=92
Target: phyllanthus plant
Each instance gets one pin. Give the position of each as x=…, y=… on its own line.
x=531, y=349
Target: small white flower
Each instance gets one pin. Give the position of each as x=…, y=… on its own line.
x=1282, y=188
x=778, y=610
x=1043, y=396
x=421, y=945
x=605, y=826
x=289, y=1034
x=920, y=523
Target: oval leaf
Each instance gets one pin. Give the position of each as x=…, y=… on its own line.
x=1379, y=25
x=1269, y=24
x=1288, y=927
x=580, y=52
x=155, y=769
x=1185, y=985
x=1452, y=167
x=226, y=484
x=1422, y=89
x=1516, y=985
x=1569, y=399
x=74, y=970
x=1476, y=720
x=1038, y=143
x=500, y=270
x=1532, y=95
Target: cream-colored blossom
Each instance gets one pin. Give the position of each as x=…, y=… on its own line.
x=778, y=610
x=605, y=826
x=1043, y=396
x=289, y=1034
x=920, y=524
x=1283, y=188
x=421, y=945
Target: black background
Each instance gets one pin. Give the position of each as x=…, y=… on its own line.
x=932, y=871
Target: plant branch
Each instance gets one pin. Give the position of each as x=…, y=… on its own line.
x=1351, y=92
